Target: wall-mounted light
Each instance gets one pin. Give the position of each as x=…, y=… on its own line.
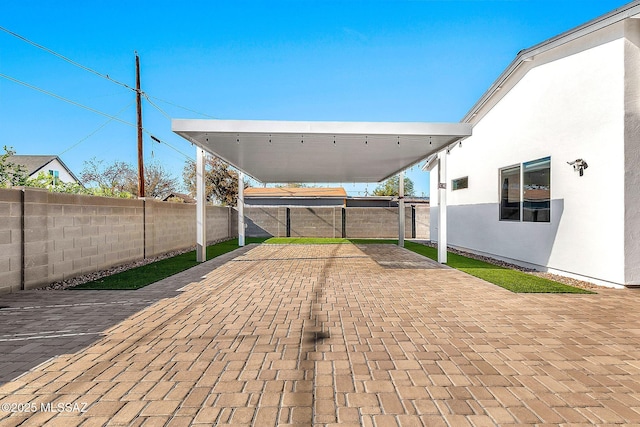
x=579, y=165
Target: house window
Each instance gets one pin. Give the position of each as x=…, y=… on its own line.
x=536, y=182
x=526, y=197
x=460, y=183
x=55, y=175
x=510, y=193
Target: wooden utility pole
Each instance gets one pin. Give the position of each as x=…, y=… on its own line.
x=140, y=153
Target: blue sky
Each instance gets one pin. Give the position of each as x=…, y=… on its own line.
x=345, y=60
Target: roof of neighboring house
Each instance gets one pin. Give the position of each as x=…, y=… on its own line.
x=185, y=197
x=314, y=192
x=33, y=163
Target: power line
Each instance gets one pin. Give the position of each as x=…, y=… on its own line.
x=164, y=113
x=64, y=58
x=95, y=131
x=93, y=110
x=179, y=106
x=159, y=141
x=104, y=76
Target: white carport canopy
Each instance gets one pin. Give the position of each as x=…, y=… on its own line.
x=332, y=152
x=277, y=151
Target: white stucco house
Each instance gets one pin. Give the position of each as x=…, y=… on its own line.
x=550, y=177
x=51, y=165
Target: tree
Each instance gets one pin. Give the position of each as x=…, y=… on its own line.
x=11, y=174
x=293, y=185
x=115, y=178
x=120, y=178
x=157, y=181
x=44, y=180
x=220, y=181
x=390, y=187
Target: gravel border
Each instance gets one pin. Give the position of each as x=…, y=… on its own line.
x=90, y=277
x=556, y=278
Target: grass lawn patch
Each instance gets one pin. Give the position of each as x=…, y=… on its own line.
x=142, y=276
x=305, y=240
x=373, y=241
x=513, y=280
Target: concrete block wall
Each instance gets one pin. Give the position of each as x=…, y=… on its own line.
x=233, y=222
x=376, y=222
x=10, y=240
x=423, y=221
x=316, y=222
x=220, y=222
x=172, y=226
x=169, y=226
x=46, y=237
x=265, y=221
x=66, y=235
x=327, y=222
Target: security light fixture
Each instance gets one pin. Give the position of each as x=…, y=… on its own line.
x=580, y=165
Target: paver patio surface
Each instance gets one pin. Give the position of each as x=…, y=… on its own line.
x=346, y=335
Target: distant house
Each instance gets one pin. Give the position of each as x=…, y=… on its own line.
x=50, y=165
x=314, y=196
x=288, y=196
x=178, y=198
x=384, y=201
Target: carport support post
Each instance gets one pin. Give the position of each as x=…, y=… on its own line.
x=442, y=207
x=240, y=209
x=401, y=209
x=201, y=209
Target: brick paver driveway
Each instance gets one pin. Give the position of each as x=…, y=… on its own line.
x=340, y=334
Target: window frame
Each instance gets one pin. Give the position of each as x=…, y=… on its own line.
x=456, y=188
x=500, y=191
x=533, y=162
x=521, y=190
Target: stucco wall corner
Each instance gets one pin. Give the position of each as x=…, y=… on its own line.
x=632, y=153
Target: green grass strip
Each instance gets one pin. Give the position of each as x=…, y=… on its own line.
x=142, y=276
x=513, y=280
x=305, y=240
x=373, y=241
